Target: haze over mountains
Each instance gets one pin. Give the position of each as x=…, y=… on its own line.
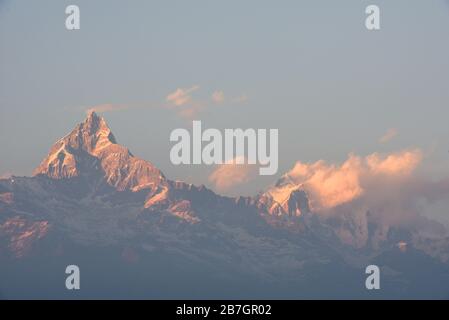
x=135, y=233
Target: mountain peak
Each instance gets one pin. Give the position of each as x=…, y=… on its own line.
x=286, y=198
x=90, y=148
x=95, y=124
x=91, y=114
x=93, y=120
x=95, y=132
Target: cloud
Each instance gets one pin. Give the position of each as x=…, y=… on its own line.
x=187, y=106
x=230, y=174
x=389, y=135
x=397, y=164
x=183, y=103
x=189, y=113
x=332, y=185
x=107, y=107
x=181, y=97
x=218, y=97
x=386, y=189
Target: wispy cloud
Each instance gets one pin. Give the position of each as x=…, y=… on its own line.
x=181, y=96
x=389, y=135
x=108, y=107
x=231, y=174
x=182, y=101
x=185, y=102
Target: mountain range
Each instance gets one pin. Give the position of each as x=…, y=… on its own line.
x=134, y=233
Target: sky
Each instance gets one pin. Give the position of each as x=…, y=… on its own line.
x=308, y=68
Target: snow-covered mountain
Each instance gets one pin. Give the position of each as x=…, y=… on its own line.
x=92, y=202
x=92, y=147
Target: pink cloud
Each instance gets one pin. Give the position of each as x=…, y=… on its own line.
x=230, y=174
x=387, y=190
x=389, y=135
x=332, y=185
x=183, y=103
x=181, y=97
x=107, y=107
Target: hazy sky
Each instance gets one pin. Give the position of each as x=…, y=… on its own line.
x=309, y=68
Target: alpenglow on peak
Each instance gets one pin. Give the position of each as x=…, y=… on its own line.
x=91, y=148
